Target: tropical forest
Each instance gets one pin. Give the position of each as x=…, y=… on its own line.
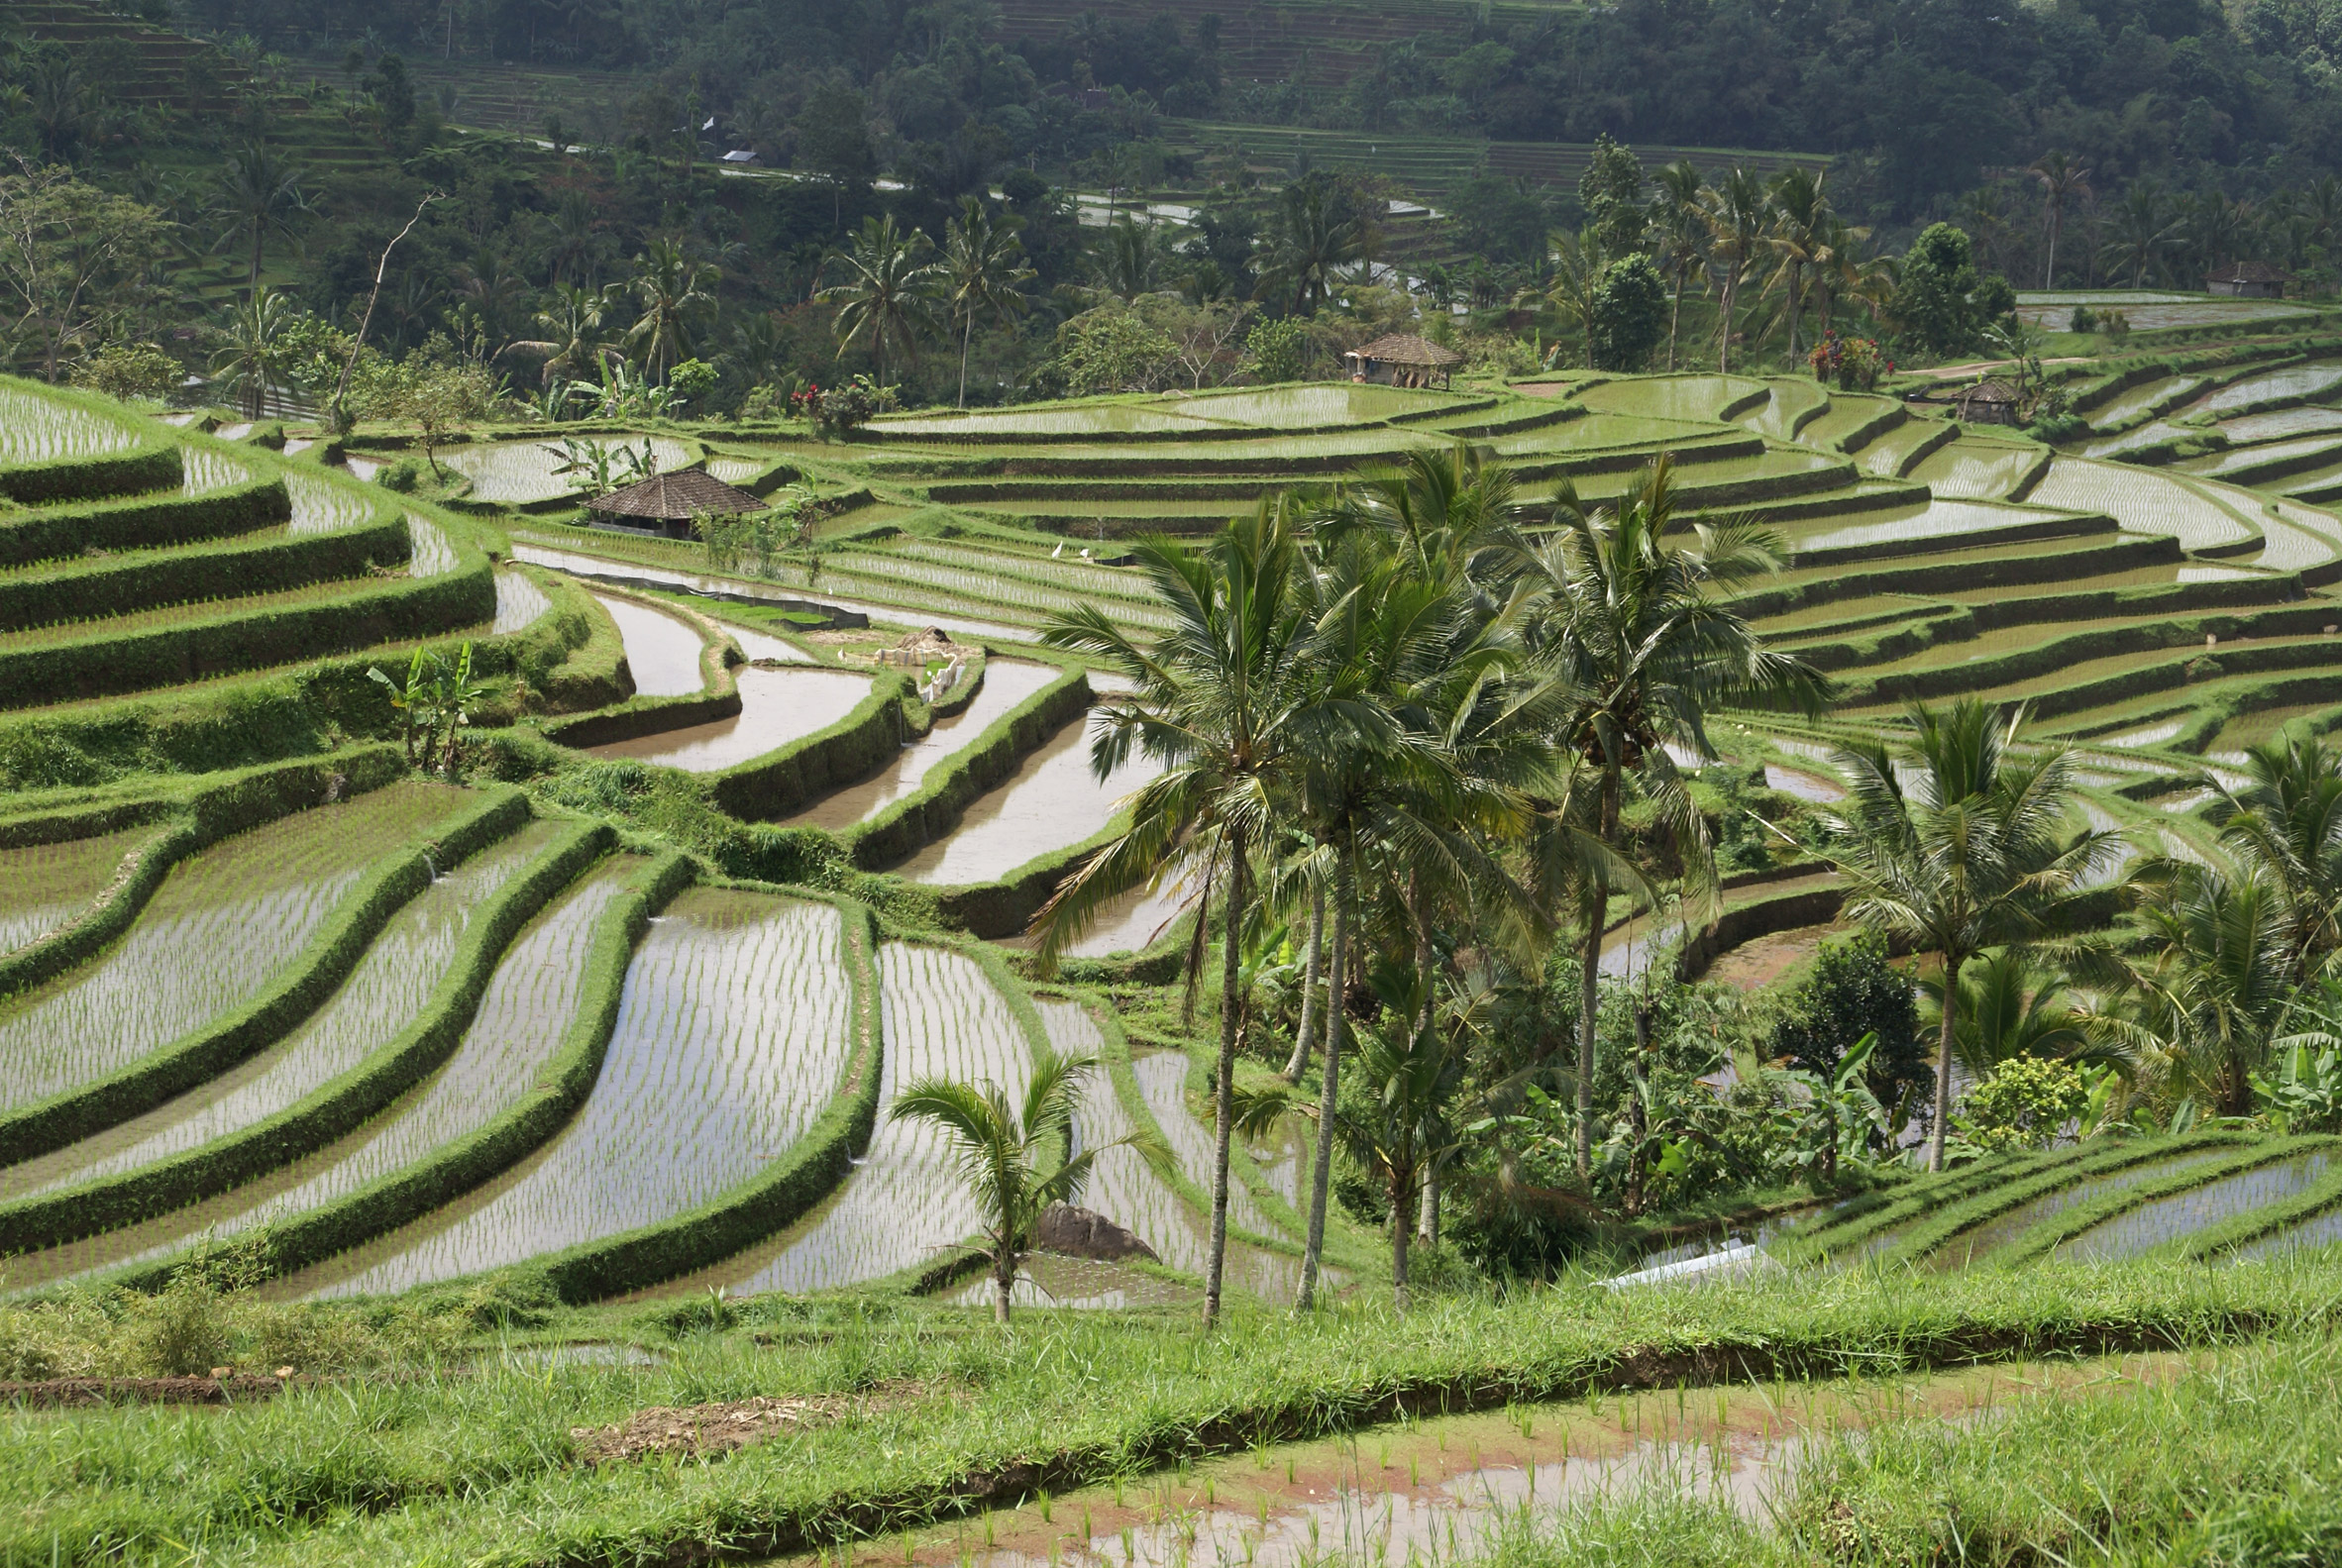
x=791, y=784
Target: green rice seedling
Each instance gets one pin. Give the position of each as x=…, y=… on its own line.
x=2278, y=424
x=519, y=603
x=1040, y=424
x=1684, y=397
x=2181, y=1214
x=2149, y=397
x=736, y=471
x=196, y=613
x=2297, y=382
x=904, y=1202
x=1894, y=452
x=383, y=993
x=44, y=885
x=523, y=1016
x=203, y=470
x=1053, y=802
x=2003, y=1229
x=2142, y=501
x=1974, y=470
x=2247, y=461
x=1936, y=524
x=223, y=923
x=731, y=1036
x=432, y=556
x=39, y=429
x=321, y=506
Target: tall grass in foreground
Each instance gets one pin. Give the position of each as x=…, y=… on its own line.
x=454, y=1467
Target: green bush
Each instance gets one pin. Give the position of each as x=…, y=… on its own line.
x=2023, y=1105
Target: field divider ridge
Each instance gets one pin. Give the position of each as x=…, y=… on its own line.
x=297, y=992
x=145, y=522
x=335, y=1108
x=2043, y=1239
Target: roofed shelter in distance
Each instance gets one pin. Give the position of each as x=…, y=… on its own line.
x=1402, y=360
x=668, y=503
x=2248, y=280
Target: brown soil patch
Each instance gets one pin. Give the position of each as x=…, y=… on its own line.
x=1761, y=961
x=707, y=1432
x=59, y=1393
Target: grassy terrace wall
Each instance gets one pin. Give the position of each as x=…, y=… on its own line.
x=145, y=522
x=291, y=996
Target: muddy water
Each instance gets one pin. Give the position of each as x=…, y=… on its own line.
x=46, y=886
x=1126, y=924
x=661, y=650
x=903, y=1204
x=1440, y=1488
x=731, y=1037
x=1051, y=802
x=382, y=996
x=2185, y=1214
x=764, y=646
x=1996, y=1233
x=523, y=1016
x=219, y=929
x=1006, y=683
x=1762, y=960
x=1804, y=786
x=777, y=707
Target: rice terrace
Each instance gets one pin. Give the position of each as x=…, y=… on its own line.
x=1356, y=786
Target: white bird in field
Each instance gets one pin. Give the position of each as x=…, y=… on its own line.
x=1085, y=552
x=1059, y=550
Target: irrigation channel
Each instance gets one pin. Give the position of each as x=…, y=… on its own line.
x=1443, y=1488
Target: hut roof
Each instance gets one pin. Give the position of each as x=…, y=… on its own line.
x=677, y=498
x=1402, y=347
x=2249, y=273
x=1994, y=390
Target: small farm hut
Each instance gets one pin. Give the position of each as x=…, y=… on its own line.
x=1402, y=360
x=2248, y=280
x=669, y=503
x=1990, y=403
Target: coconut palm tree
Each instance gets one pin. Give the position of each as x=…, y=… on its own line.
x=2007, y=1007
x=1220, y=700
x=887, y=296
x=997, y=1142
x=2062, y=182
x=1310, y=240
x=1956, y=845
x=1680, y=224
x=982, y=274
x=1735, y=208
x=1641, y=633
x=2144, y=230
x=673, y=291
x=575, y=342
x=256, y=348
x=259, y=194
x=1575, y=284
x=1797, y=207
x=1127, y=263
x=1844, y=269
x=2283, y=823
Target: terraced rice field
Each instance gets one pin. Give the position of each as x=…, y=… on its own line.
x=2142, y=502
x=1972, y=469
x=2145, y=398
x=1053, y=801
x=777, y=707
x=2159, y=317
x=323, y=506
x=203, y=470
x=732, y=1036
x=903, y=1206
x=1162, y=1082
x=2279, y=422
x=1993, y=1235
x=39, y=429
x=2181, y=1214
x=2298, y=383
x=46, y=886
x=224, y=923
x=1007, y=682
x=518, y=603
x=521, y=472
x=661, y=650
x=1692, y=397
x=382, y=996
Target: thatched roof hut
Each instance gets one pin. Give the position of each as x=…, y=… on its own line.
x=670, y=501
x=1990, y=403
x=2248, y=280
x=1402, y=360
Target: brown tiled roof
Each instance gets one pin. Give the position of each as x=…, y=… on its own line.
x=2249, y=273
x=673, y=497
x=1402, y=347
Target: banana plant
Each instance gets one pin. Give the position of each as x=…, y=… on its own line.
x=451, y=697
x=1843, y=1112
x=411, y=700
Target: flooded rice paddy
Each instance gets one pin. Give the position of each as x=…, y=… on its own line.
x=517, y=473
x=218, y=930
x=2142, y=501
x=1006, y=683
x=526, y=1011
x=1162, y=1084
x=902, y=1205
x=2319, y=1230
x=731, y=1038
x=2185, y=1214
x=1125, y=923
x=384, y=993
x=1993, y=1235
x=45, y=887
x=777, y=707
x=1053, y=802
x=1968, y=470
x=661, y=650
x=519, y=602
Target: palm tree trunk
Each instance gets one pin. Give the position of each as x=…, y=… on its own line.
x=1674, y=319
x=1935, y=1137
x=251, y=281
x=1303, y=1038
x=1322, y=1159
x=2050, y=273
x=967, y=333
x=1588, y=978
x=1224, y=1087
x=1402, y=1183
x=1731, y=289
x=1636, y=1164
x=1003, y=1281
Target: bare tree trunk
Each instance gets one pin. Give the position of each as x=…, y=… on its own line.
x=967, y=333
x=1224, y=1091
x=1427, y=1212
x=1337, y=1020
x=1641, y=1112
x=1304, y=1038
x=1935, y=1137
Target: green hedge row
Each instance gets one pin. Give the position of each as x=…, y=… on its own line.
x=90, y=592
x=2042, y=1238
x=638, y=715
x=218, y=810
x=856, y=746
x=2147, y=598
x=334, y=1108
x=294, y=993
x=911, y=824
x=150, y=522
x=776, y=1197
x=98, y=665
x=145, y=467
x=448, y=1172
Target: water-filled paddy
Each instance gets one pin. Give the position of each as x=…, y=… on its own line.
x=221, y=926
x=1935, y=521
x=1006, y=683
x=35, y=429
x=518, y=603
x=46, y=886
x=2142, y=501
x=903, y=1204
x=2300, y=381
x=730, y=1039
x=1162, y=1084
x=516, y=473
x=2278, y=423
x=1693, y=397
x=383, y=994
x=1051, y=802
x=777, y=707
x=1973, y=469
x=2148, y=395
x=2238, y=460
x=2184, y=1213
x=1999, y=1233
x=661, y=650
